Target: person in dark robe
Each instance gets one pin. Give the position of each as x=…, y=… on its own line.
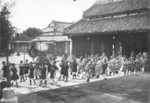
x=88, y=69
x=49, y=68
x=132, y=63
x=4, y=68
x=62, y=68
x=21, y=67
x=137, y=64
x=43, y=74
x=104, y=66
x=14, y=76
x=53, y=71
x=31, y=73
x=37, y=71
x=26, y=69
x=65, y=67
x=74, y=68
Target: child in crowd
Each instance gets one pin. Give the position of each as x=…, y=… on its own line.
x=31, y=74
x=14, y=76
x=53, y=71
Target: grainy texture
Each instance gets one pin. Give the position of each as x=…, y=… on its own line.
x=123, y=6
x=139, y=22
x=127, y=89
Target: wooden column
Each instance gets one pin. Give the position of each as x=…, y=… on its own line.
x=17, y=47
x=102, y=47
x=147, y=67
x=0, y=42
x=70, y=48
x=66, y=47
x=74, y=46
x=92, y=46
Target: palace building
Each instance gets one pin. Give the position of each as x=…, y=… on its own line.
x=58, y=44
x=111, y=26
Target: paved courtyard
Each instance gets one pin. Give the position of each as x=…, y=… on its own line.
x=117, y=89
x=25, y=88
x=128, y=89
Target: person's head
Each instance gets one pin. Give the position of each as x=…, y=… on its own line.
x=103, y=54
x=13, y=65
x=74, y=59
x=140, y=54
x=26, y=60
x=3, y=63
x=31, y=63
x=63, y=57
x=21, y=61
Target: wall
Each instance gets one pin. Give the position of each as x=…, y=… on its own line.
x=129, y=42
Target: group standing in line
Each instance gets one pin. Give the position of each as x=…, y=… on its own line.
x=86, y=67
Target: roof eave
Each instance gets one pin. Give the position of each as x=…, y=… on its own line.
x=107, y=32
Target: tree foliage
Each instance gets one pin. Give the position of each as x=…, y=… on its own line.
x=6, y=29
x=32, y=32
x=8, y=3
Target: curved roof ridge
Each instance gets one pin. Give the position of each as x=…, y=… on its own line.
x=110, y=8
x=106, y=1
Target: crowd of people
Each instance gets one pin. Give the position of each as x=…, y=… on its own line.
x=94, y=66
x=90, y=66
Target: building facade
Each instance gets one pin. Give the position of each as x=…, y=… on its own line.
x=111, y=27
x=58, y=44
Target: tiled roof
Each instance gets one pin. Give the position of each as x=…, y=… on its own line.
x=48, y=29
x=116, y=8
x=126, y=23
x=56, y=27
x=51, y=38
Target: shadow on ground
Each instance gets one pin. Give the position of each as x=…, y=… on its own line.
x=127, y=89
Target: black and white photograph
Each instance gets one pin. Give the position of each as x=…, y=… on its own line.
x=74, y=51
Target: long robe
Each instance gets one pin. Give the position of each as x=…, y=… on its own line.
x=14, y=75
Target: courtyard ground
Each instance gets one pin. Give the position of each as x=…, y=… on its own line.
x=127, y=89
x=115, y=89
x=13, y=58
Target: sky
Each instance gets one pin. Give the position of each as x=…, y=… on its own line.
x=39, y=13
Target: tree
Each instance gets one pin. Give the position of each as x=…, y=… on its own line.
x=8, y=4
x=32, y=32
x=5, y=35
x=6, y=29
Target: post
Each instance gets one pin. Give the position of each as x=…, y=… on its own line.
x=0, y=42
x=70, y=48
x=7, y=64
x=66, y=48
x=18, y=54
x=75, y=47
x=7, y=60
x=147, y=67
x=24, y=53
x=92, y=46
x=8, y=96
